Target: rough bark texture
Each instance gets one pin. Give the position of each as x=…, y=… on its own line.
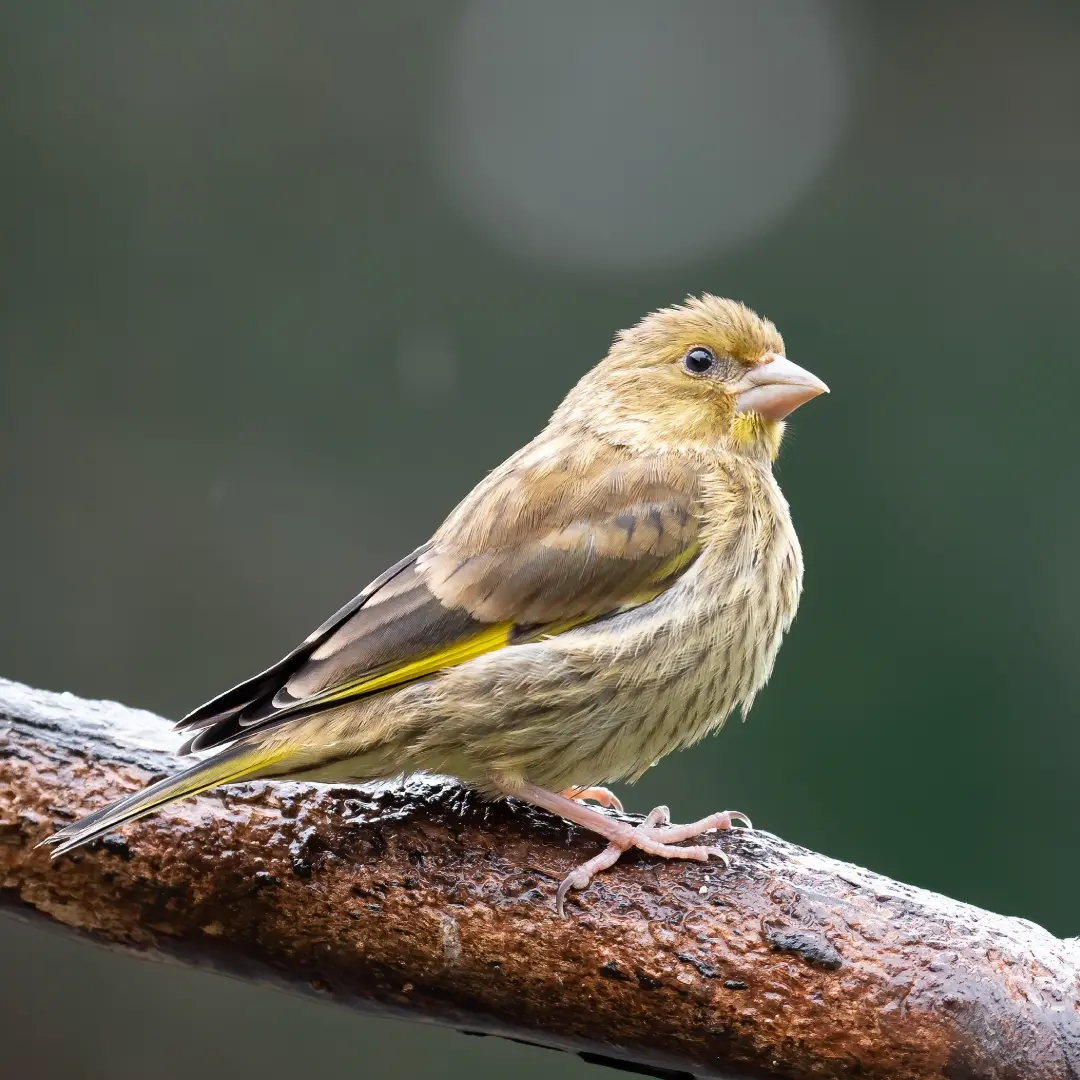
x=421, y=901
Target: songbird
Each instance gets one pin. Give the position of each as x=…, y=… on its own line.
x=610, y=593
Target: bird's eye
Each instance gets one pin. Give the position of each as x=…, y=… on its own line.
x=699, y=360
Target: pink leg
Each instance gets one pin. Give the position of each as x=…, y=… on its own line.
x=599, y=795
x=649, y=836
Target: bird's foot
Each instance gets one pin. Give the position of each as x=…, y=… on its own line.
x=599, y=795
x=655, y=835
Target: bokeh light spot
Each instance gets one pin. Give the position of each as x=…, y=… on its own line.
x=622, y=134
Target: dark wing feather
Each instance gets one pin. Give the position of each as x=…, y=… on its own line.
x=267, y=682
x=401, y=622
x=530, y=552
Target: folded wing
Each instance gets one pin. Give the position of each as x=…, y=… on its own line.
x=536, y=549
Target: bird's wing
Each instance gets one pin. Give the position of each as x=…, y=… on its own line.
x=535, y=550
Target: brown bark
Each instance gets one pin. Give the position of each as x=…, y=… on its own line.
x=418, y=900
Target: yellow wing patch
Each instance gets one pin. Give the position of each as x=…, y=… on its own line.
x=488, y=640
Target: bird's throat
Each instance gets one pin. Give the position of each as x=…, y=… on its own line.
x=754, y=435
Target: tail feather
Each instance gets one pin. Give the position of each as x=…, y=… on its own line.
x=239, y=763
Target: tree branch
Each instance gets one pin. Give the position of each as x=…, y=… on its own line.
x=420, y=901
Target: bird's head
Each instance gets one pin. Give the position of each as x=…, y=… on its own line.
x=705, y=373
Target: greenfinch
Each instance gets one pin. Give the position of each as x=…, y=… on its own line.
x=610, y=593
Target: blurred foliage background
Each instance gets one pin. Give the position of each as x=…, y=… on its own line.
x=280, y=282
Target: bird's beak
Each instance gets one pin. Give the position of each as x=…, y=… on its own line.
x=776, y=387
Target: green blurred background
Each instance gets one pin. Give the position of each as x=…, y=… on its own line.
x=279, y=283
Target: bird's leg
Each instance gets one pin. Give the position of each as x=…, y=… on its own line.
x=599, y=795
x=649, y=836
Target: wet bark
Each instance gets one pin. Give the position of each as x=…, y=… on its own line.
x=418, y=900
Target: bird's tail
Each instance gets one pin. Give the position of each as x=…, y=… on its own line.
x=238, y=763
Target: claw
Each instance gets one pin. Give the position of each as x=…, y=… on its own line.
x=600, y=795
x=574, y=880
